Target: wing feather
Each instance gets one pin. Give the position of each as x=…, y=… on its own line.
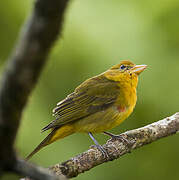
x=90, y=97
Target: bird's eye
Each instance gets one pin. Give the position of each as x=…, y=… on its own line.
x=122, y=67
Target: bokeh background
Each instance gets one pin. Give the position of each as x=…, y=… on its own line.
x=97, y=35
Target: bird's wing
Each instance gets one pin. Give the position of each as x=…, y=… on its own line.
x=93, y=95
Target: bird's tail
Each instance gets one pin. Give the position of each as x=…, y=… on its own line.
x=57, y=133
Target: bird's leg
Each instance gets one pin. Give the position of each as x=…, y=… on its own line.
x=103, y=151
x=117, y=137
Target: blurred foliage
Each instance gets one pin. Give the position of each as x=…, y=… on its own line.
x=97, y=35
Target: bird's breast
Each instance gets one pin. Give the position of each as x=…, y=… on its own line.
x=125, y=103
x=110, y=117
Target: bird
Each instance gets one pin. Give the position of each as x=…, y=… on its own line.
x=97, y=105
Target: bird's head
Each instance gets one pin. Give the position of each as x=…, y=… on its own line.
x=127, y=66
x=126, y=71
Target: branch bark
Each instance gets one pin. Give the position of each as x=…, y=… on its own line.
x=23, y=70
x=35, y=172
x=116, y=148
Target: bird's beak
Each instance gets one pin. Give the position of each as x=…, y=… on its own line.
x=137, y=69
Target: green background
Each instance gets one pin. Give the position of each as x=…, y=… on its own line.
x=97, y=35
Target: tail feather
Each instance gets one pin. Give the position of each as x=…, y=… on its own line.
x=46, y=127
x=41, y=145
x=57, y=133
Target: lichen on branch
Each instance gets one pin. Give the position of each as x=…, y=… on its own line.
x=116, y=148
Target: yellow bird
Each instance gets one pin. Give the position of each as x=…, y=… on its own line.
x=97, y=105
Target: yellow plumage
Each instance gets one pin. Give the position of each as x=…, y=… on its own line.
x=98, y=104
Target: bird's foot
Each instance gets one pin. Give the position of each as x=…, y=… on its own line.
x=98, y=146
x=118, y=137
x=102, y=150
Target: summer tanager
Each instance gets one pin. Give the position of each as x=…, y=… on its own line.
x=98, y=104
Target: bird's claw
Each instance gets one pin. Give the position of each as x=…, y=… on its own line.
x=118, y=137
x=102, y=150
x=121, y=138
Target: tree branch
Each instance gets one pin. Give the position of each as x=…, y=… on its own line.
x=116, y=148
x=39, y=173
x=23, y=70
